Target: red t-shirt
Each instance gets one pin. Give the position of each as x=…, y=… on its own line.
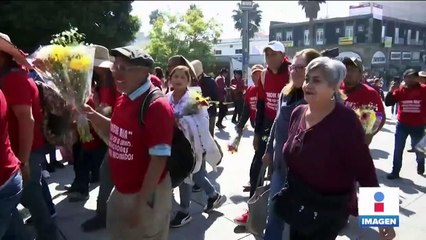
x=239, y=84
x=363, y=96
x=270, y=93
x=96, y=142
x=129, y=142
x=107, y=95
x=250, y=98
x=9, y=164
x=411, y=105
x=221, y=85
x=155, y=81
x=19, y=89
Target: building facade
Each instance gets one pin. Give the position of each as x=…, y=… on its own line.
x=386, y=46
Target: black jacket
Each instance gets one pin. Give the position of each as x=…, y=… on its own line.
x=209, y=89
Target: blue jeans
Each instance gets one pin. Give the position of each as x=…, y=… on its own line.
x=34, y=198
x=275, y=224
x=11, y=224
x=401, y=134
x=201, y=180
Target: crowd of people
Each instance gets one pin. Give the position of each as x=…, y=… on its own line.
x=300, y=111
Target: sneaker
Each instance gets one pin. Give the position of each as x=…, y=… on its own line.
x=215, y=202
x=420, y=169
x=29, y=221
x=45, y=174
x=392, y=176
x=180, y=220
x=220, y=126
x=78, y=197
x=411, y=150
x=242, y=220
x=95, y=223
x=196, y=188
x=70, y=189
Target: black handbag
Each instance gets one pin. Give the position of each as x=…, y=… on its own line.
x=306, y=210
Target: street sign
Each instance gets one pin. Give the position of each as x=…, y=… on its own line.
x=246, y=5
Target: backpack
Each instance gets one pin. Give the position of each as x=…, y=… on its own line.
x=57, y=117
x=181, y=163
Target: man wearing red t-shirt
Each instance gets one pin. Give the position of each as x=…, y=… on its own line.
x=411, y=99
x=250, y=99
x=221, y=88
x=272, y=81
x=140, y=205
x=238, y=87
x=10, y=182
x=360, y=94
x=26, y=138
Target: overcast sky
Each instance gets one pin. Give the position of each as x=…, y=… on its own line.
x=285, y=11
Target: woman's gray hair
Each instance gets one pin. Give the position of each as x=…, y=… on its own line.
x=334, y=72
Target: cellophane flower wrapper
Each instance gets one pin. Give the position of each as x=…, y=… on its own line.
x=70, y=69
x=233, y=146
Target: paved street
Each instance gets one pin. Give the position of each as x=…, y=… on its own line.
x=233, y=174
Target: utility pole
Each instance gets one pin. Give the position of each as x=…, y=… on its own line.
x=246, y=7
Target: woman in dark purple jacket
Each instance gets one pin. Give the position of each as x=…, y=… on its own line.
x=325, y=149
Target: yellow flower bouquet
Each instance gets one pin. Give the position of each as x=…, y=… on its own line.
x=69, y=69
x=370, y=119
x=195, y=103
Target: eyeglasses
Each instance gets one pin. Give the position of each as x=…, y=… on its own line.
x=297, y=67
x=123, y=68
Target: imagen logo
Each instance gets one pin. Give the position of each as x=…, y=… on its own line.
x=378, y=207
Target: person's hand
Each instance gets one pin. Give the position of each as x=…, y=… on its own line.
x=267, y=159
x=25, y=172
x=387, y=233
x=256, y=140
x=394, y=86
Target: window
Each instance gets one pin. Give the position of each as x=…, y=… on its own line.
x=417, y=37
x=238, y=51
x=278, y=36
x=395, y=55
x=320, y=36
x=360, y=28
x=306, y=37
x=406, y=56
x=289, y=36
x=383, y=33
x=396, y=35
x=409, y=37
x=349, y=31
x=337, y=30
x=218, y=52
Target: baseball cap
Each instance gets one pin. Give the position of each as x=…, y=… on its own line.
x=354, y=61
x=275, y=46
x=256, y=68
x=422, y=74
x=134, y=55
x=410, y=72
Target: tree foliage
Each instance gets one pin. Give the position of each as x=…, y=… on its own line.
x=190, y=35
x=30, y=24
x=311, y=8
x=154, y=15
x=255, y=17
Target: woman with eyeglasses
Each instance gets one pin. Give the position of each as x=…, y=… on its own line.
x=291, y=97
x=326, y=154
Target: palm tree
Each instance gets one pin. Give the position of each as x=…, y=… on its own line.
x=255, y=17
x=311, y=8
